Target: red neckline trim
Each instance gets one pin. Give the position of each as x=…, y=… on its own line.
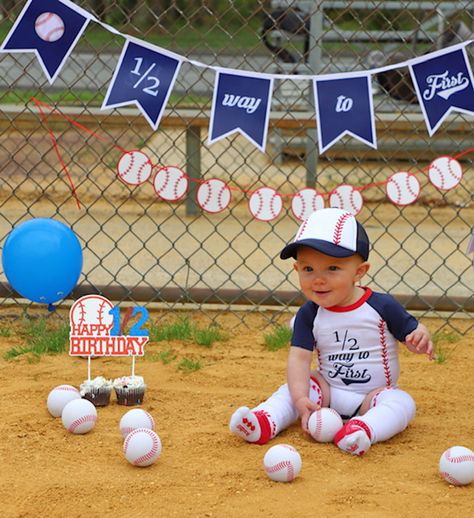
x=355, y=305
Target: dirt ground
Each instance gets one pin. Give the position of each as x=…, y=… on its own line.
x=204, y=470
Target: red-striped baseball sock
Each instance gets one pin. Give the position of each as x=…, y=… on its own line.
x=252, y=426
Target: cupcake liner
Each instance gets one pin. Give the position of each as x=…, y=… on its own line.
x=98, y=396
x=130, y=396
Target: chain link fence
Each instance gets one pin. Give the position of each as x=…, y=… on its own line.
x=141, y=249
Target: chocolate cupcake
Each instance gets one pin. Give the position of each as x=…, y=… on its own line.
x=97, y=391
x=130, y=390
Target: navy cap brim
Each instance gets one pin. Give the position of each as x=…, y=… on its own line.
x=317, y=244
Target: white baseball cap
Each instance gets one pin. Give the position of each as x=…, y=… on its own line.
x=333, y=232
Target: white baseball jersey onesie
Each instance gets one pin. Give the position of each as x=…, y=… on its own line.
x=356, y=345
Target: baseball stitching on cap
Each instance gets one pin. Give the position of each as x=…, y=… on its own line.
x=302, y=229
x=339, y=227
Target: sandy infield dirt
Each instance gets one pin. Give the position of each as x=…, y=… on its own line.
x=204, y=470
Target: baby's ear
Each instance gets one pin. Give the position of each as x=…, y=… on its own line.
x=295, y=266
x=362, y=269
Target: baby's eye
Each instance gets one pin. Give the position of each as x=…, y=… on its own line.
x=307, y=269
x=333, y=268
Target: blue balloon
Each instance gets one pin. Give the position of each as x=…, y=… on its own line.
x=42, y=260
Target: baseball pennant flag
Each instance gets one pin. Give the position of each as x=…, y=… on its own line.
x=241, y=103
x=443, y=83
x=144, y=76
x=50, y=29
x=345, y=107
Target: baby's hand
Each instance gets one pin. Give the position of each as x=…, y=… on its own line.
x=305, y=408
x=419, y=341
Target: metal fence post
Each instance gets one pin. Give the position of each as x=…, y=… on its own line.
x=315, y=65
x=193, y=166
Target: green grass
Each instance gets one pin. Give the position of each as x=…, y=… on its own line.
x=278, y=338
x=164, y=357
x=41, y=339
x=5, y=332
x=439, y=340
x=185, y=330
x=189, y=365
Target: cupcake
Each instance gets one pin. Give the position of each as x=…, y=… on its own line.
x=130, y=390
x=97, y=391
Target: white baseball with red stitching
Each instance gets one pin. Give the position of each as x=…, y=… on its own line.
x=213, y=195
x=49, y=27
x=323, y=424
x=445, y=173
x=134, y=167
x=170, y=183
x=79, y=416
x=456, y=465
x=59, y=397
x=402, y=188
x=282, y=463
x=265, y=204
x=346, y=197
x=142, y=447
x=305, y=202
x=135, y=418
x=91, y=309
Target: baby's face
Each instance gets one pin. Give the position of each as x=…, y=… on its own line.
x=329, y=281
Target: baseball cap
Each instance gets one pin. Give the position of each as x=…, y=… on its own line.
x=333, y=232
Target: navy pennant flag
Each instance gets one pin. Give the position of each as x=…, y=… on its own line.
x=50, y=29
x=241, y=103
x=144, y=76
x=344, y=107
x=443, y=83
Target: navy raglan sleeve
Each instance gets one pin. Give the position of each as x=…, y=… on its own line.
x=399, y=322
x=303, y=326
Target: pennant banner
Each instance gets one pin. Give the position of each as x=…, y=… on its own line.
x=145, y=77
x=241, y=103
x=344, y=107
x=443, y=83
x=50, y=29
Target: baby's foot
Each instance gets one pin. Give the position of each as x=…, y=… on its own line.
x=354, y=437
x=244, y=423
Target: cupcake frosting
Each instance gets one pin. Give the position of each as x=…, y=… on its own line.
x=131, y=382
x=96, y=383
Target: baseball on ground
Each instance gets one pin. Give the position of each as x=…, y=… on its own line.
x=136, y=418
x=79, y=416
x=142, y=447
x=323, y=424
x=59, y=397
x=456, y=465
x=282, y=463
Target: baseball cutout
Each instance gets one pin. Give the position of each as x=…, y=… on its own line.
x=92, y=310
x=456, y=465
x=346, y=197
x=213, y=195
x=265, y=204
x=49, y=27
x=323, y=424
x=305, y=202
x=402, y=188
x=445, y=173
x=59, y=397
x=134, y=167
x=282, y=463
x=170, y=183
x=79, y=416
x=142, y=447
x=135, y=418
